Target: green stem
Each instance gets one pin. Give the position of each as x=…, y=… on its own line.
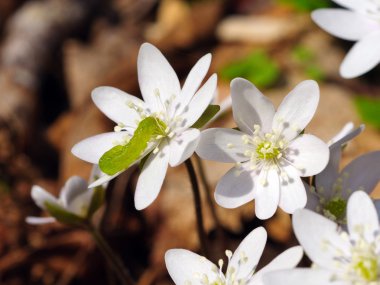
x=114, y=261
x=198, y=206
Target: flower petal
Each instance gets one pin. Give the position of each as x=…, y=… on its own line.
x=286, y=260
x=75, y=196
x=297, y=109
x=199, y=102
x=313, y=200
x=40, y=220
x=313, y=231
x=185, y=267
x=91, y=149
x=292, y=191
x=346, y=134
x=326, y=179
x=41, y=196
x=235, y=188
x=156, y=76
x=355, y=5
x=344, y=24
x=362, y=173
x=251, y=248
x=301, y=276
x=362, y=214
x=151, y=178
x=224, y=145
x=250, y=107
x=103, y=179
x=268, y=194
x=114, y=103
x=362, y=57
x=308, y=154
x=192, y=83
x=183, y=146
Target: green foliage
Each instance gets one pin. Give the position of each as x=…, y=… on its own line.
x=369, y=110
x=121, y=157
x=306, y=60
x=207, y=115
x=305, y=5
x=62, y=215
x=258, y=67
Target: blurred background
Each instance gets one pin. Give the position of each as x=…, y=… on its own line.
x=54, y=52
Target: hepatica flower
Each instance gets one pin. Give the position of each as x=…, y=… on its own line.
x=186, y=267
x=161, y=126
x=76, y=202
x=339, y=257
x=269, y=152
x=360, y=23
x=332, y=188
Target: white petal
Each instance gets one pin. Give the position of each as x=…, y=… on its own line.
x=344, y=24
x=40, y=220
x=95, y=174
x=185, y=266
x=300, y=276
x=250, y=107
x=251, y=247
x=346, y=134
x=297, y=109
x=114, y=103
x=362, y=173
x=103, y=179
x=313, y=200
x=361, y=213
x=199, y=102
x=192, y=83
x=292, y=191
x=308, y=154
x=286, y=260
x=156, y=75
x=357, y=5
x=41, y=196
x=313, y=231
x=151, y=178
x=92, y=148
x=329, y=175
x=75, y=196
x=268, y=194
x=362, y=57
x=183, y=146
x=224, y=145
x=235, y=188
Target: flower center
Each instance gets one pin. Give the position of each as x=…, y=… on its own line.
x=267, y=150
x=367, y=268
x=335, y=209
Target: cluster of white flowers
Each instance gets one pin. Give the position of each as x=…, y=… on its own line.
x=270, y=152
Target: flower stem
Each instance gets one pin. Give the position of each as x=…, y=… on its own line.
x=198, y=206
x=114, y=261
x=202, y=176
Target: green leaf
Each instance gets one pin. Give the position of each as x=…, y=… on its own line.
x=121, y=157
x=369, y=110
x=207, y=115
x=258, y=67
x=63, y=215
x=306, y=5
x=305, y=58
x=96, y=201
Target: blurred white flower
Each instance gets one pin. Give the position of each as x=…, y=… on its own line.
x=332, y=188
x=186, y=267
x=163, y=98
x=360, y=23
x=269, y=151
x=339, y=257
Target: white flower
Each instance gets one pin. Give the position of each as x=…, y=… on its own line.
x=74, y=198
x=360, y=23
x=186, y=267
x=332, y=188
x=163, y=98
x=269, y=152
x=339, y=257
